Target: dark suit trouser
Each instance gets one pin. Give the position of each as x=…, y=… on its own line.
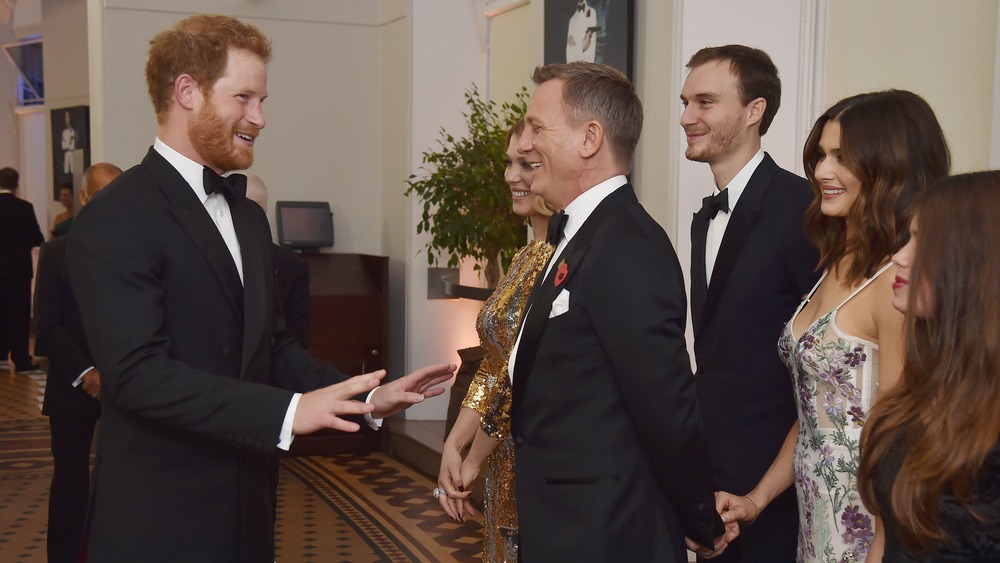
x=68, y=497
x=772, y=538
x=15, y=319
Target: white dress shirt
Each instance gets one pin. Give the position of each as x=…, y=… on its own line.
x=717, y=226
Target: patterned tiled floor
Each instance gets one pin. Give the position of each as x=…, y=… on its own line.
x=350, y=507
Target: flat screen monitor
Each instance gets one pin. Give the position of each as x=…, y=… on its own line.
x=304, y=224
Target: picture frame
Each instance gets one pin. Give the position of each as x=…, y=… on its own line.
x=70, y=146
x=599, y=31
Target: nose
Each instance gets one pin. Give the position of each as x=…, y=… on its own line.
x=255, y=115
x=688, y=116
x=823, y=168
x=511, y=176
x=526, y=143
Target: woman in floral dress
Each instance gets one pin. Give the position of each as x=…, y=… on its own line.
x=866, y=158
x=485, y=416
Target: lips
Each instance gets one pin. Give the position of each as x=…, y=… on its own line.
x=520, y=193
x=247, y=137
x=830, y=192
x=900, y=282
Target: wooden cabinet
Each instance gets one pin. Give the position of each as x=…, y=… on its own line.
x=348, y=328
x=349, y=310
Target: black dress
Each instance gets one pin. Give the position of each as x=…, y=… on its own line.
x=969, y=539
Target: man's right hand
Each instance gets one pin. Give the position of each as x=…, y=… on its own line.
x=323, y=408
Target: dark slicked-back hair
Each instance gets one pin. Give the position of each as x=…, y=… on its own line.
x=600, y=93
x=756, y=75
x=199, y=46
x=892, y=142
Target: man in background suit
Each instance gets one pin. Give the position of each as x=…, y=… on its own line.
x=200, y=383
x=609, y=460
x=750, y=266
x=72, y=389
x=19, y=233
x=292, y=273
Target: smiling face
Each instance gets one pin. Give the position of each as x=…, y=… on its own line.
x=904, y=261
x=224, y=128
x=714, y=117
x=839, y=186
x=66, y=198
x=517, y=174
x=552, y=144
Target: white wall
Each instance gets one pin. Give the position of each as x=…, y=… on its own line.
x=943, y=51
x=448, y=56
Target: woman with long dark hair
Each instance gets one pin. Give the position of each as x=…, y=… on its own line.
x=930, y=461
x=867, y=157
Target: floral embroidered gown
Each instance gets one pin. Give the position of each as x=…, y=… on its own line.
x=489, y=395
x=835, y=376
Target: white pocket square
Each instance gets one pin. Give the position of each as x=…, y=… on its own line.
x=560, y=305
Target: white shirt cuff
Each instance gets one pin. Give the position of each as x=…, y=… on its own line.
x=79, y=378
x=374, y=423
x=286, y=436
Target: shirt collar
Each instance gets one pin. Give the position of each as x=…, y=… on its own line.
x=191, y=171
x=580, y=208
x=740, y=180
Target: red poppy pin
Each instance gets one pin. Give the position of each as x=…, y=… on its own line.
x=562, y=270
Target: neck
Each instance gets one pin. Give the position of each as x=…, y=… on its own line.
x=727, y=167
x=539, y=226
x=174, y=133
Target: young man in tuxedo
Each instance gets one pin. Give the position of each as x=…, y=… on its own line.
x=750, y=266
x=200, y=381
x=609, y=460
x=19, y=233
x=72, y=388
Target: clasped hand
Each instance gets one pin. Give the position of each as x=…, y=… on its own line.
x=731, y=510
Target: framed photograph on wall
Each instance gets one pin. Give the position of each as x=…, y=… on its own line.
x=70, y=147
x=597, y=31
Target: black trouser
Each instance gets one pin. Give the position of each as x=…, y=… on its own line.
x=70, y=491
x=15, y=319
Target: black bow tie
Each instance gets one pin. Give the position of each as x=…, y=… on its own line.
x=713, y=204
x=557, y=223
x=231, y=187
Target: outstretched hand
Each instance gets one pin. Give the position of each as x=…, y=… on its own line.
x=323, y=407
x=397, y=395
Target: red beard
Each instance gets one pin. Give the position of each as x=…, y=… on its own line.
x=214, y=141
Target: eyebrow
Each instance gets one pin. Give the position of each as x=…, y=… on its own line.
x=703, y=96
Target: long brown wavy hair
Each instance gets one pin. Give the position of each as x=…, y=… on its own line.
x=945, y=407
x=892, y=142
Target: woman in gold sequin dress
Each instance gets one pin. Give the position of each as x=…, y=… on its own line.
x=485, y=416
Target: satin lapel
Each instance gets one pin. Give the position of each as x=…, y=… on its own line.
x=256, y=262
x=699, y=285
x=192, y=217
x=542, y=296
x=744, y=218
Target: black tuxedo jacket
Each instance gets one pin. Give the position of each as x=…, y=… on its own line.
x=609, y=461
x=197, y=371
x=19, y=233
x=60, y=335
x=764, y=267
x=293, y=287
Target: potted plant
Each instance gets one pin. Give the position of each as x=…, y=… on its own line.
x=467, y=205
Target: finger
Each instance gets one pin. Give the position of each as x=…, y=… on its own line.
x=355, y=386
x=425, y=384
x=446, y=505
x=433, y=392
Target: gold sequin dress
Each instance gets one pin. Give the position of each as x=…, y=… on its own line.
x=489, y=395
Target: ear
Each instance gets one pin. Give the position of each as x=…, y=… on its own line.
x=186, y=91
x=757, y=109
x=593, y=139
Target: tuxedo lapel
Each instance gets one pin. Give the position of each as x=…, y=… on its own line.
x=699, y=285
x=742, y=222
x=192, y=217
x=563, y=268
x=255, y=276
